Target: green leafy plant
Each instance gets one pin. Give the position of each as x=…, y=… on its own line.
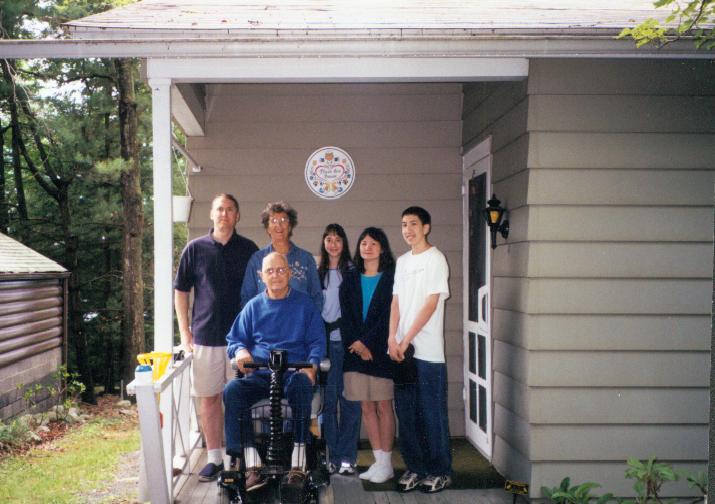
x=697, y=480
x=577, y=494
x=13, y=434
x=649, y=476
x=687, y=18
x=31, y=395
x=65, y=392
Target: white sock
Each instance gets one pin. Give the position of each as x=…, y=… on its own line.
x=378, y=456
x=386, y=458
x=215, y=456
x=370, y=470
x=253, y=459
x=297, y=459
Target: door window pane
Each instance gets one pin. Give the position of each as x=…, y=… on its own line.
x=477, y=242
x=472, y=353
x=482, y=408
x=482, y=351
x=472, y=401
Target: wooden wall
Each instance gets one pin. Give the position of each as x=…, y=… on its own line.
x=31, y=339
x=405, y=141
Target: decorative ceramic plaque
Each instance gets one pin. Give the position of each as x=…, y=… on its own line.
x=329, y=172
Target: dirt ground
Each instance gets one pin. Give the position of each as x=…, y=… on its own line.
x=124, y=487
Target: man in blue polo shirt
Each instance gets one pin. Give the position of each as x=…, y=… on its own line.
x=214, y=266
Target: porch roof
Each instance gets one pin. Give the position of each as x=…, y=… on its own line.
x=346, y=19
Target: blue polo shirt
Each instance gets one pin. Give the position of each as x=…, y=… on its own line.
x=215, y=272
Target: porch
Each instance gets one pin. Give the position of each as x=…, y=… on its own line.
x=173, y=456
x=349, y=490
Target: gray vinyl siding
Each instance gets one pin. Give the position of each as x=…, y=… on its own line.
x=500, y=110
x=405, y=140
x=611, y=277
x=601, y=295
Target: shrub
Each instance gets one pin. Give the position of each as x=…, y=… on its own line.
x=577, y=494
x=14, y=434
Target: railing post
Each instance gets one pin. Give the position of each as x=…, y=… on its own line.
x=163, y=247
x=150, y=428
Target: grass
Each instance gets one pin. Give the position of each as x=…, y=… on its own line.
x=84, y=460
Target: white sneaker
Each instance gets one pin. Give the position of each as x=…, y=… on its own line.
x=408, y=482
x=382, y=473
x=433, y=484
x=346, y=468
x=370, y=471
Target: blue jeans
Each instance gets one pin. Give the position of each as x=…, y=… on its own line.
x=424, y=429
x=240, y=394
x=341, y=432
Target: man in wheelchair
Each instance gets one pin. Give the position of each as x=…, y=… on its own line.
x=278, y=318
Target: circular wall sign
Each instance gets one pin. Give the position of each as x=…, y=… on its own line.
x=329, y=172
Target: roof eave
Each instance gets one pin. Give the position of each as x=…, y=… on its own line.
x=488, y=46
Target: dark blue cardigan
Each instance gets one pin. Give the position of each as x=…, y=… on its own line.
x=374, y=330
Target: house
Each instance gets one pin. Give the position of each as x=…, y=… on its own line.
x=583, y=338
x=33, y=324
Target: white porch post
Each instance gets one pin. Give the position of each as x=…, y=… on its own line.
x=163, y=248
x=163, y=292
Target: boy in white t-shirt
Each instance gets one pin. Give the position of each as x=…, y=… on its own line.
x=417, y=319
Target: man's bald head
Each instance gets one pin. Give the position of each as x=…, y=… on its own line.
x=275, y=259
x=276, y=273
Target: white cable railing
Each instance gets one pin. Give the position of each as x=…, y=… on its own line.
x=169, y=430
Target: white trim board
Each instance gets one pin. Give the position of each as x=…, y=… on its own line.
x=387, y=69
x=552, y=46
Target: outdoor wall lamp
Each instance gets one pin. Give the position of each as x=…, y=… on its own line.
x=494, y=213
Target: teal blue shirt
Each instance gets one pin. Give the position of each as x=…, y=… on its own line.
x=368, y=284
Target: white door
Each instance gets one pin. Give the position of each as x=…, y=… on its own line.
x=477, y=392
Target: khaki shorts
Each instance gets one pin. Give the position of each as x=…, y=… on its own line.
x=210, y=370
x=362, y=387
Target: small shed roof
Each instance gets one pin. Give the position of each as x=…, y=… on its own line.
x=366, y=18
x=18, y=258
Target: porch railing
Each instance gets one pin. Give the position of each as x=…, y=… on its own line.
x=169, y=431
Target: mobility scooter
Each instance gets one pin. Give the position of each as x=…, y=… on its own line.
x=274, y=442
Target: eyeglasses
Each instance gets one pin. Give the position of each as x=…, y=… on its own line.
x=281, y=271
x=279, y=220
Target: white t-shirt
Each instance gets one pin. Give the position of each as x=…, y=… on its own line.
x=417, y=277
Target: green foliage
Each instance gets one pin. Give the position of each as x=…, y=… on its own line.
x=13, y=434
x=74, y=103
x=649, y=476
x=688, y=18
x=698, y=480
x=577, y=494
x=64, y=391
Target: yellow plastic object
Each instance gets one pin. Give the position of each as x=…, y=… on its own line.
x=158, y=362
